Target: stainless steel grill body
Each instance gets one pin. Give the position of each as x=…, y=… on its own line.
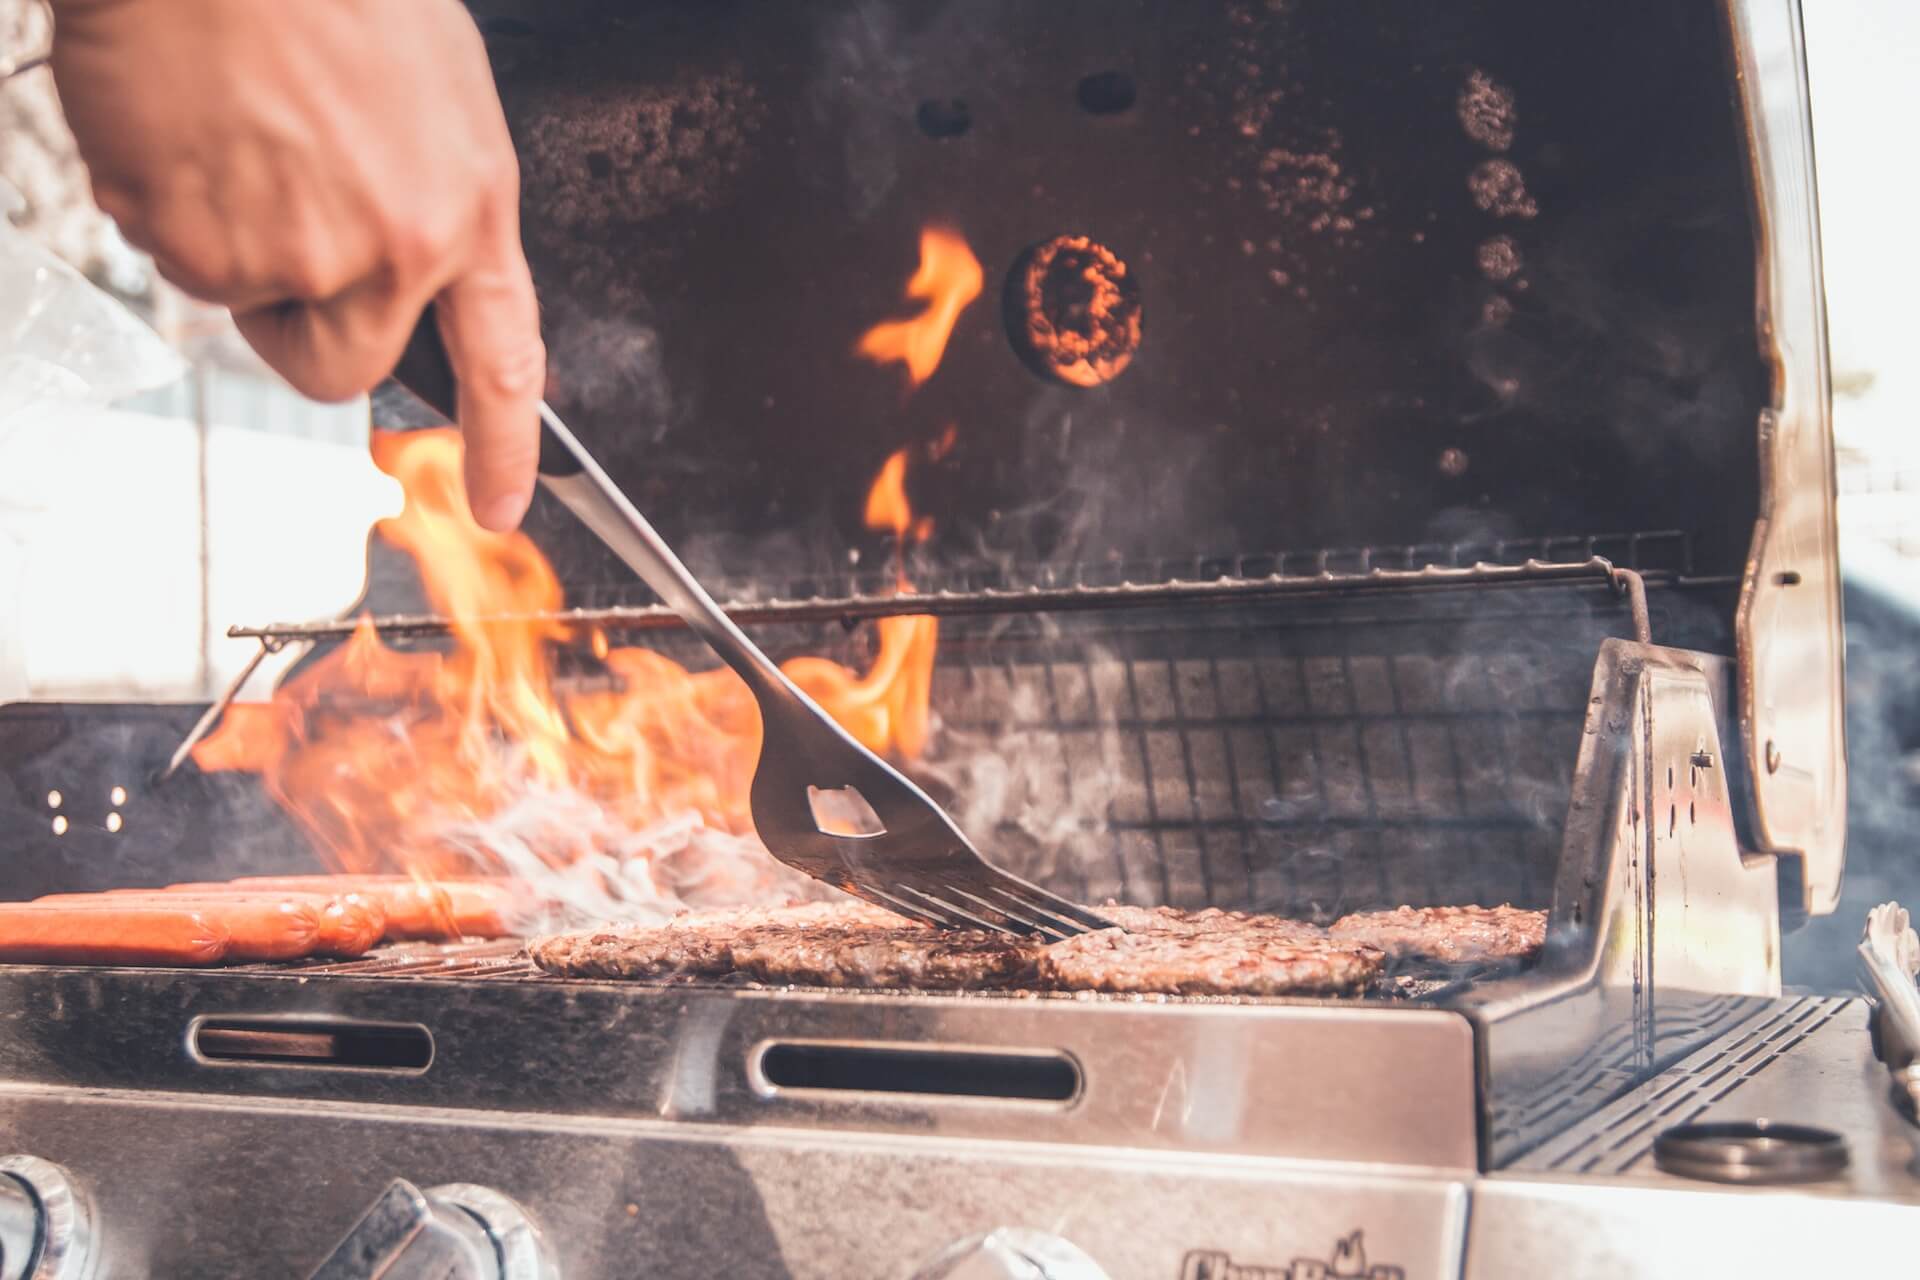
x=585, y=1098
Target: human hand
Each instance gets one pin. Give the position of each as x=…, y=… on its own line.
x=325, y=169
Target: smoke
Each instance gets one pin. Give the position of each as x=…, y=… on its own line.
x=644, y=876
x=1882, y=599
x=1033, y=769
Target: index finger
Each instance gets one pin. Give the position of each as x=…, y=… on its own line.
x=490, y=323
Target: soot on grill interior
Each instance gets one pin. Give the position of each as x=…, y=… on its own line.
x=1072, y=310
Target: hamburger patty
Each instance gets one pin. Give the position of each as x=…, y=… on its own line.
x=699, y=943
x=1448, y=935
x=850, y=944
x=1240, y=958
x=909, y=956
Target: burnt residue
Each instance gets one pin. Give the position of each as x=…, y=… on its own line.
x=1073, y=311
x=1372, y=232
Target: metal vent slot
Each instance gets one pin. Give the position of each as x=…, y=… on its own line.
x=1619, y=1137
x=285, y=1042
x=952, y=1073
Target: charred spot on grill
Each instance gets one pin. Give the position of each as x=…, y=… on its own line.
x=1105, y=93
x=1073, y=312
x=943, y=117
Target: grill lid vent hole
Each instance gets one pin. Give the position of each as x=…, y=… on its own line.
x=1106, y=93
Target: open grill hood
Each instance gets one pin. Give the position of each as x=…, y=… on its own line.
x=1481, y=281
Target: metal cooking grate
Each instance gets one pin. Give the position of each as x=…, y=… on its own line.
x=1351, y=742
x=1276, y=759
x=504, y=958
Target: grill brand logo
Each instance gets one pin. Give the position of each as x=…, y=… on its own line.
x=1349, y=1262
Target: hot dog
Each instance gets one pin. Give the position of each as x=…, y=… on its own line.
x=120, y=933
x=432, y=909
x=351, y=924
x=414, y=909
x=258, y=926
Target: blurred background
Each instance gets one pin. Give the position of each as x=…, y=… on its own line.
x=160, y=511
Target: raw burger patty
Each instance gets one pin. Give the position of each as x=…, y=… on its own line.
x=1450, y=935
x=855, y=945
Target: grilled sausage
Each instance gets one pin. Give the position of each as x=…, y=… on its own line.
x=351, y=924
x=118, y=934
x=414, y=909
x=258, y=926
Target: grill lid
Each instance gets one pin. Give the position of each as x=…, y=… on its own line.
x=1466, y=272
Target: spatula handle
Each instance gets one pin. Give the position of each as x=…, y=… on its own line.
x=427, y=372
x=569, y=473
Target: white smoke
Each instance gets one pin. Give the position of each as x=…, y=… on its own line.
x=642, y=876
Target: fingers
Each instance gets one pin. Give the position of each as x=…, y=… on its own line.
x=336, y=349
x=341, y=346
x=490, y=324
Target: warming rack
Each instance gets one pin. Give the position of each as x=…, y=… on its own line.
x=1224, y=589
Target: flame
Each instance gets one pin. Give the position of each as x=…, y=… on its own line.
x=429, y=763
x=382, y=754
x=890, y=704
x=948, y=279
x=887, y=505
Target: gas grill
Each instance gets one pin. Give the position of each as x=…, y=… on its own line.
x=1505, y=319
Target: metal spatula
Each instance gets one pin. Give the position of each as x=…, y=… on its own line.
x=822, y=803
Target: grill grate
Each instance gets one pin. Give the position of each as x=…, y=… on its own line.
x=1305, y=746
x=1268, y=761
x=504, y=958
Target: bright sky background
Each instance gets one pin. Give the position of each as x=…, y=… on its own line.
x=1864, y=62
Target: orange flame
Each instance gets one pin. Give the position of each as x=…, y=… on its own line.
x=378, y=753
x=890, y=704
x=948, y=279
x=394, y=759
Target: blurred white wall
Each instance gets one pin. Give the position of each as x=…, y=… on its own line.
x=1861, y=57
x=122, y=584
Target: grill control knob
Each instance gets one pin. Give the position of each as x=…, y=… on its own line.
x=1011, y=1254
x=454, y=1232
x=46, y=1225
